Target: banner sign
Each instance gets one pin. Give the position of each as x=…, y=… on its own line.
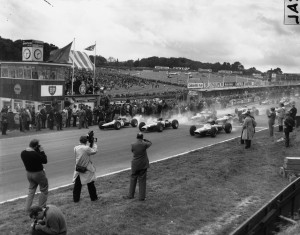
x=51, y=90
x=195, y=85
x=208, y=85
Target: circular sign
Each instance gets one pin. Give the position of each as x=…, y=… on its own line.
x=37, y=54
x=82, y=89
x=17, y=89
x=27, y=53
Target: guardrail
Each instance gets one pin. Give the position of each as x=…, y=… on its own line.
x=283, y=208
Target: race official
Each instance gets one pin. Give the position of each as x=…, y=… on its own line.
x=83, y=154
x=139, y=166
x=248, y=129
x=33, y=158
x=49, y=220
x=271, y=121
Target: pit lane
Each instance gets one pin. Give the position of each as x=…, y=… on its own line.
x=114, y=152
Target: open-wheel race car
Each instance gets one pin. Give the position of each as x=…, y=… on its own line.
x=211, y=128
x=118, y=123
x=158, y=125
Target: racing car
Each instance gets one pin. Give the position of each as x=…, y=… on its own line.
x=212, y=127
x=118, y=123
x=158, y=125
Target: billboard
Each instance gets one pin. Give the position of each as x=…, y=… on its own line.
x=51, y=90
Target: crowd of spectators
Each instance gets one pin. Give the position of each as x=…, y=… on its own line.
x=109, y=80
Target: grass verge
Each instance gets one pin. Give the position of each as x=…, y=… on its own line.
x=208, y=191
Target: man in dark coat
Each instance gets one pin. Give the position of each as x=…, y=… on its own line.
x=289, y=123
x=139, y=166
x=4, y=121
x=293, y=111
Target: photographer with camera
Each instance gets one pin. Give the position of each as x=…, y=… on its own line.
x=47, y=220
x=33, y=158
x=139, y=166
x=85, y=171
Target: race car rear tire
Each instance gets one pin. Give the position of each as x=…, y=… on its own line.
x=101, y=127
x=141, y=125
x=228, y=128
x=213, y=132
x=159, y=127
x=175, y=124
x=117, y=125
x=134, y=122
x=192, y=130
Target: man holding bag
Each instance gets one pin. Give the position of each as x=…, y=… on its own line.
x=85, y=171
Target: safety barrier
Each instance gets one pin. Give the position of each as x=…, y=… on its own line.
x=283, y=208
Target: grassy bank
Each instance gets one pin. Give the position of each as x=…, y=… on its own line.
x=209, y=191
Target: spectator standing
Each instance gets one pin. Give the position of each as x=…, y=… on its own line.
x=43, y=116
x=38, y=120
x=139, y=166
x=49, y=220
x=4, y=121
x=69, y=110
x=289, y=123
x=33, y=158
x=83, y=154
x=74, y=115
x=280, y=114
x=271, y=121
x=248, y=129
x=293, y=111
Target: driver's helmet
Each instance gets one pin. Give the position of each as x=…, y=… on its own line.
x=159, y=119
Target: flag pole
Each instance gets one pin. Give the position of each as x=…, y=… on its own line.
x=73, y=65
x=94, y=70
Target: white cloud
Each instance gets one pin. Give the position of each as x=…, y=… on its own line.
x=251, y=32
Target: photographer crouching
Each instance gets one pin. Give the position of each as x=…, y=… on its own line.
x=85, y=171
x=47, y=220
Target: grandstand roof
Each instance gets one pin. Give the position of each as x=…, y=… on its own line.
x=81, y=60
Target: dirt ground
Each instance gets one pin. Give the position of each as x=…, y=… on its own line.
x=208, y=191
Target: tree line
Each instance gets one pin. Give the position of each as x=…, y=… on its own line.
x=12, y=51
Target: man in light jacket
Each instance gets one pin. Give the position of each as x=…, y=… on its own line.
x=248, y=129
x=83, y=154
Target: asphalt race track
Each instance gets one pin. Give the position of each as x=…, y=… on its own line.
x=114, y=152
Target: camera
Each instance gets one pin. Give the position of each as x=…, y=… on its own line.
x=90, y=137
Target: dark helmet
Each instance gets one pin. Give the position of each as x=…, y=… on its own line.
x=140, y=136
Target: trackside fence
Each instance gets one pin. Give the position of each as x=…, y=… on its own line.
x=282, y=209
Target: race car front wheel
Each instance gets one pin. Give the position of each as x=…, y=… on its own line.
x=175, y=124
x=192, y=130
x=213, y=132
x=228, y=128
x=101, y=127
x=141, y=125
x=134, y=122
x=117, y=125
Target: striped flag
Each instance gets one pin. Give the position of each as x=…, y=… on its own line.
x=90, y=48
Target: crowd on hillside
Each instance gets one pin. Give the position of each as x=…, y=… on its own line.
x=105, y=80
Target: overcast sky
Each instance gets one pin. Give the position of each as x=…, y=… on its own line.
x=251, y=32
